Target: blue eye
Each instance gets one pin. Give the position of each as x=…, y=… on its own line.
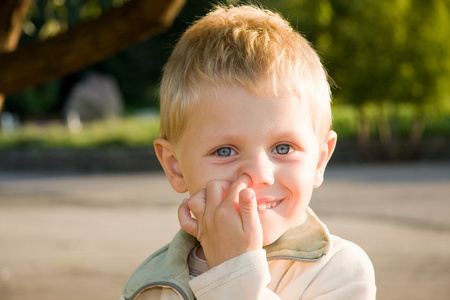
x=225, y=151
x=283, y=149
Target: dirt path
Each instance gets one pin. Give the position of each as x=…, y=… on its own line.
x=80, y=237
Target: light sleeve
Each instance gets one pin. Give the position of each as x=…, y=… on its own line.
x=349, y=274
x=243, y=277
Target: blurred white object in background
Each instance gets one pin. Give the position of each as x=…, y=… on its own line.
x=8, y=122
x=95, y=97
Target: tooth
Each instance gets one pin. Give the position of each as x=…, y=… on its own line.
x=262, y=207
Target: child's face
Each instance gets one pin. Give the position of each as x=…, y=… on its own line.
x=234, y=132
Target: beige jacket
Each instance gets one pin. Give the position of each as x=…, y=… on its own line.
x=305, y=263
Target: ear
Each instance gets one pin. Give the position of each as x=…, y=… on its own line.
x=166, y=156
x=326, y=150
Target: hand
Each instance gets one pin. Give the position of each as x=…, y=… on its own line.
x=226, y=219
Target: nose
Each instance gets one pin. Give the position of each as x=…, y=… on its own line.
x=260, y=169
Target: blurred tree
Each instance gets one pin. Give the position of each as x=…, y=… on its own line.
x=381, y=54
x=137, y=68
x=68, y=49
x=12, y=14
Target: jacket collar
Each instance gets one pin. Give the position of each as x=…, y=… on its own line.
x=168, y=267
x=308, y=241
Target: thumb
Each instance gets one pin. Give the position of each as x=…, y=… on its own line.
x=249, y=211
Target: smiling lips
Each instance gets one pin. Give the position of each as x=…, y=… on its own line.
x=268, y=205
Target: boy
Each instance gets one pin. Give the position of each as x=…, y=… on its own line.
x=245, y=125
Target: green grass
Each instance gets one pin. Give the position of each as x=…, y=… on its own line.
x=345, y=121
x=140, y=132
x=129, y=132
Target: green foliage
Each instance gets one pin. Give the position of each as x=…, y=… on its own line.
x=390, y=59
x=36, y=102
x=380, y=53
x=137, y=69
x=47, y=18
x=379, y=50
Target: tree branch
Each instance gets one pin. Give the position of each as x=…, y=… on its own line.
x=86, y=43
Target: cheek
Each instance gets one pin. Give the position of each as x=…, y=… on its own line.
x=299, y=179
x=193, y=178
x=200, y=175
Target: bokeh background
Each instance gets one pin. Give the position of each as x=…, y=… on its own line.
x=389, y=61
x=83, y=199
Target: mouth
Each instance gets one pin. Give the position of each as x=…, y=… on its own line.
x=268, y=205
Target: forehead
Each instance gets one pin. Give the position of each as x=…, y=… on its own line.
x=267, y=91
x=233, y=109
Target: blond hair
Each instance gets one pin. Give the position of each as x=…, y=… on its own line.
x=243, y=45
